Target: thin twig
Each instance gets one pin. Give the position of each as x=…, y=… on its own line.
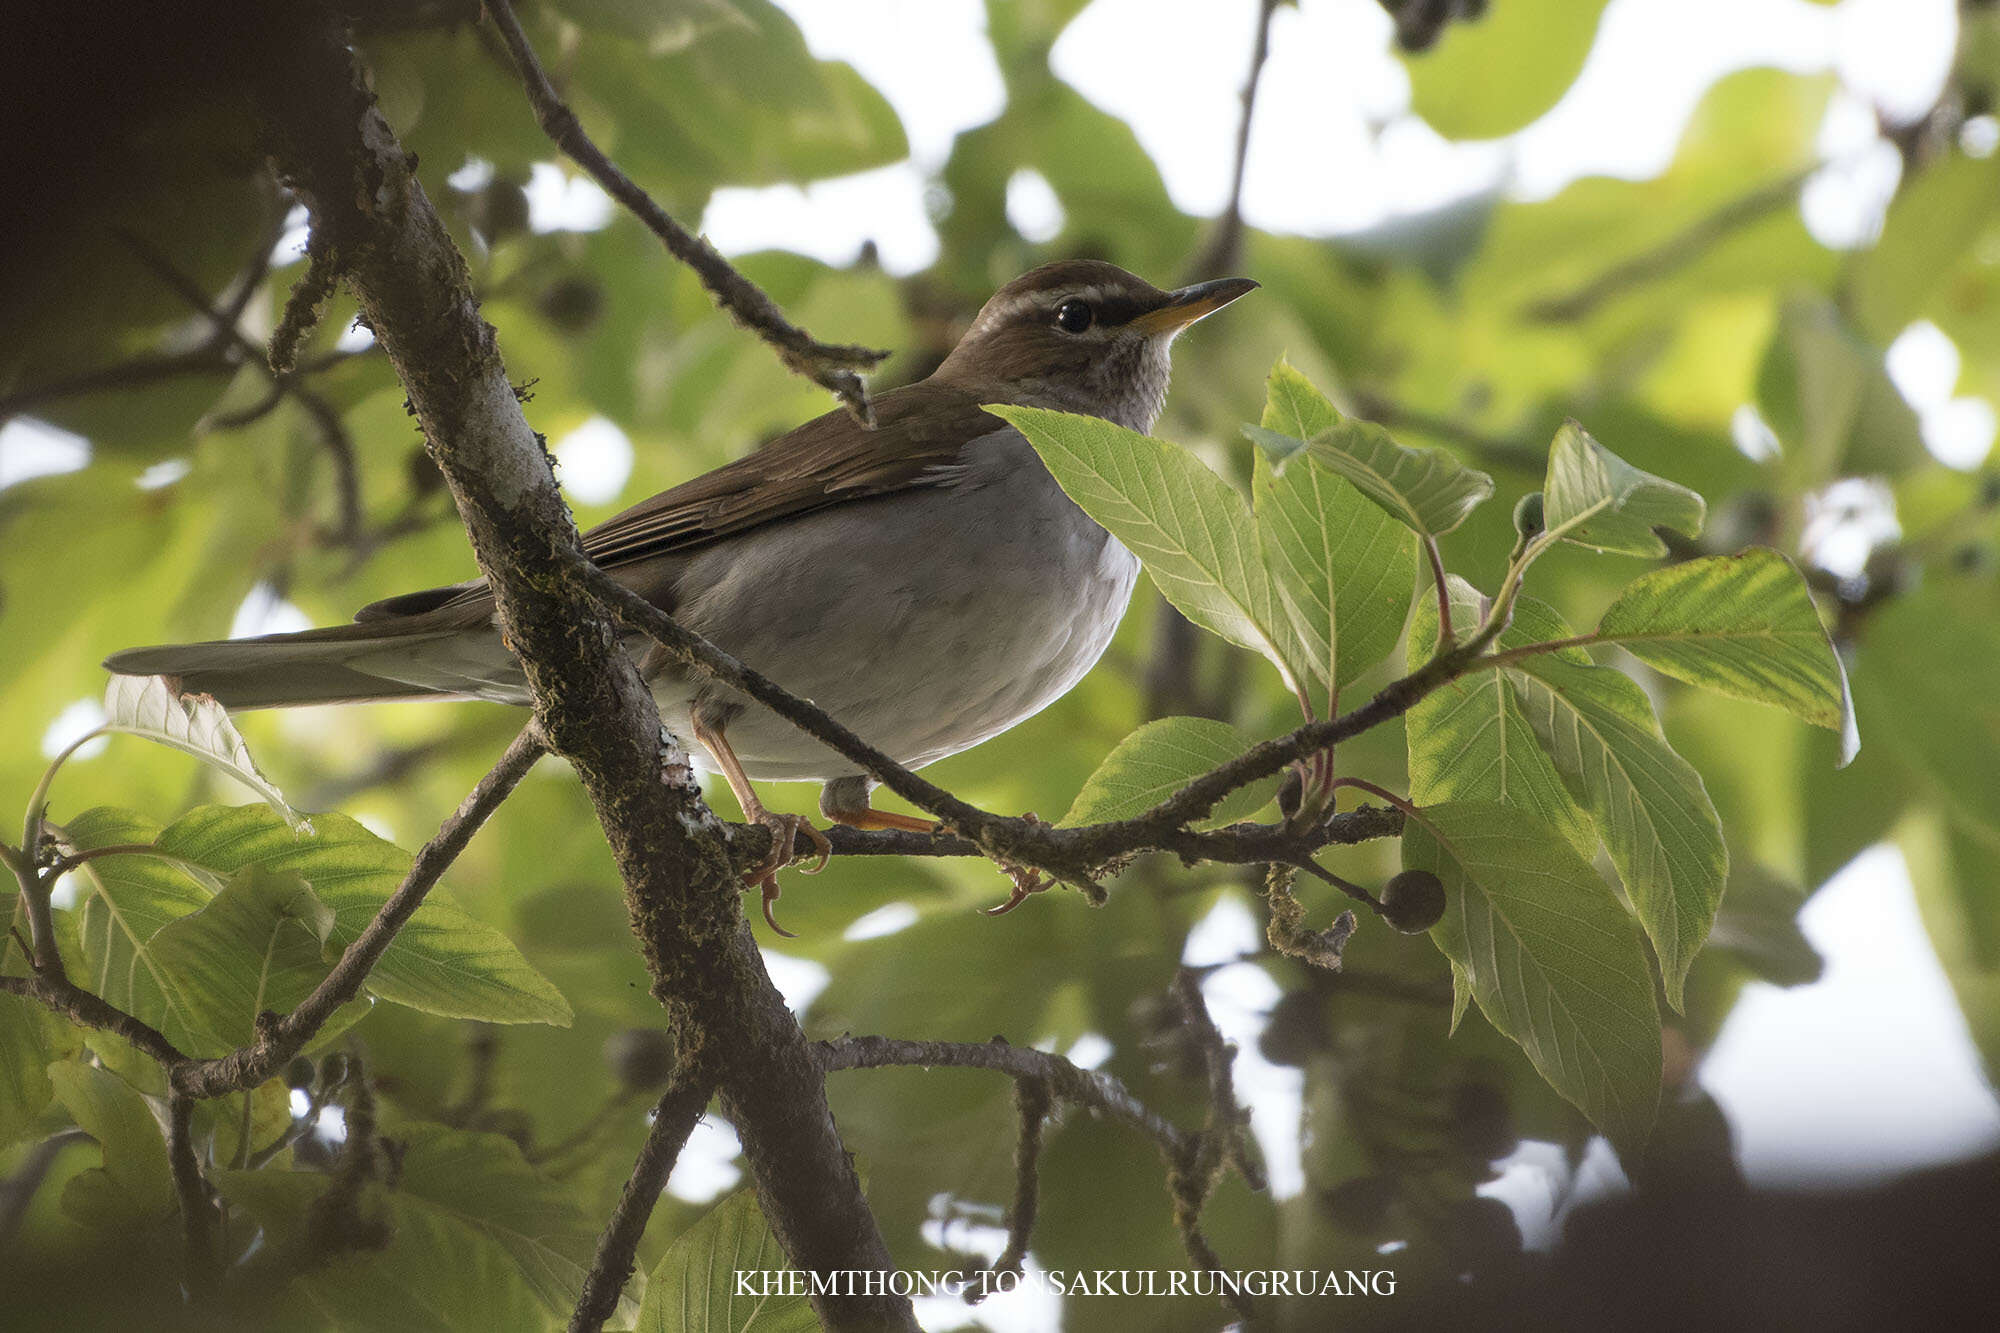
x=1032, y=1102
x=1226, y=1116
x=680, y=1107
x=1221, y=1141
x=1221, y=253
x=1088, y=1088
x=1446, y=635
x=1673, y=254
x=134, y=374
x=582, y=1135
x=278, y=1042
x=316, y=1102
x=832, y=366
x=202, y=1273
x=227, y=333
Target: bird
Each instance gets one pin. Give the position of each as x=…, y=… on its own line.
x=925, y=581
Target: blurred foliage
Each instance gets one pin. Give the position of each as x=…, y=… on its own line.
x=1663, y=312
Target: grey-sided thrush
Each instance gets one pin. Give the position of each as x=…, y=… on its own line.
x=926, y=581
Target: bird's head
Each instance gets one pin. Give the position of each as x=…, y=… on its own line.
x=1084, y=336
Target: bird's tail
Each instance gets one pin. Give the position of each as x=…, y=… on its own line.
x=369, y=661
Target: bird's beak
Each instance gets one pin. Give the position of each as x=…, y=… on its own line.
x=1189, y=304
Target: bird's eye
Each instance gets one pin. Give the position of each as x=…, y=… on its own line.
x=1074, y=316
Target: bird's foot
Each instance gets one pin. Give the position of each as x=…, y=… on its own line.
x=1027, y=880
x=784, y=836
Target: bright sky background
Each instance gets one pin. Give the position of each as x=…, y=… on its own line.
x=1867, y=1072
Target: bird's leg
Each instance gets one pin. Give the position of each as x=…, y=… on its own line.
x=784, y=828
x=845, y=801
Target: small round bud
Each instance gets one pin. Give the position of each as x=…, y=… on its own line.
x=1528, y=517
x=333, y=1069
x=422, y=472
x=498, y=211
x=1482, y=1122
x=1483, y=1230
x=572, y=304
x=1359, y=1205
x=1973, y=558
x=1296, y=1031
x=640, y=1057
x=510, y=1123
x=301, y=1072
x=1413, y=901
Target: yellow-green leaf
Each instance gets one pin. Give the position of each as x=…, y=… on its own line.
x=1741, y=625
x=1550, y=956
x=1156, y=761
x=1193, y=532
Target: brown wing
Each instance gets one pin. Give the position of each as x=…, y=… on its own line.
x=918, y=434
x=830, y=460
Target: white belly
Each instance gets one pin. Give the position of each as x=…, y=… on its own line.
x=927, y=622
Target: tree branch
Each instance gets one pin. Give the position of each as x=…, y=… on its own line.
x=829, y=365
x=1075, y=854
x=679, y=1109
x=682, y=893
x=81, y=1007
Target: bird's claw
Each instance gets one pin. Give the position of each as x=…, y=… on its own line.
x=1027, y=881
x=784, y=836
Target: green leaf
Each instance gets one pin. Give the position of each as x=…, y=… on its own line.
x=1742, y=625
x=1470, y=740
x=259, y=944
x=1550, y=956
x=192, y=724
x=1426, y=490
x=1343, y=569
x=1928, y=679
x=31, y=1038
x=1494, y=75
x=433, y=1276
x=125, y=900
x=662, y=26
x=481, y=1181
x=443, y=961
x=480, y=1241
x=1293, y=407
x=1594, y=498
x=134, y=1185
x=1827, y=396
x=220, y=1120
x=693, y=1289
x=1192, y=531
x=1648, y=803
x=1158, y=760
x=1937, y=216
